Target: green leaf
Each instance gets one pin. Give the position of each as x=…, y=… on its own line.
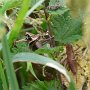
x=30, y=67
x=44, y=85
x=44, y=25
x=1, y=88
x=13, y=34
x=34, y=7
x=19, y=22
x=49, y=51
x=60, y=11
x=66, y=29
x=3, y=78
x=9, y=66
x=72, y=38
x=35, y=58
x=72, y=85
x=20, y=47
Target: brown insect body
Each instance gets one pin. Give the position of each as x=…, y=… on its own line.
x=71, y=58
x=33, y=41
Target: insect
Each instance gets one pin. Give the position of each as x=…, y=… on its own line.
x=71, y=58
x=33, y=41
x=36, y=41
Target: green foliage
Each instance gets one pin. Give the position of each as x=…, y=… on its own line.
x=9, y=5
x=66, y=29
x=35, y=58
x=59, y=11
x=19, y=22
x=51, y=52
x=44, y=25
x=3, y=78
x=53, y=2
x=34, y=7
x=1, y=88
x=43, y=85
x=9, y=66
x=20, y=47
x=34, y=2
x=23, y=47
x=30, y=68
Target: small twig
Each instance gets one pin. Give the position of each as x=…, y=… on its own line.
x=18, y=69
x=46, y=39
x=21, y=40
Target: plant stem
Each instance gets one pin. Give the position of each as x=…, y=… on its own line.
x=52, y=42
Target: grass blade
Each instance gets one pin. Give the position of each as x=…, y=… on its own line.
x=35, y=58
x=19, y=22
x=34, y=7
x=30, y=68
x=2, y=75
x=9, y=66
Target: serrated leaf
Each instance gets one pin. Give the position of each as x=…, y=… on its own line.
x=72, y=38
x=49, y=51
x=65, y=28
x=44, y=85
